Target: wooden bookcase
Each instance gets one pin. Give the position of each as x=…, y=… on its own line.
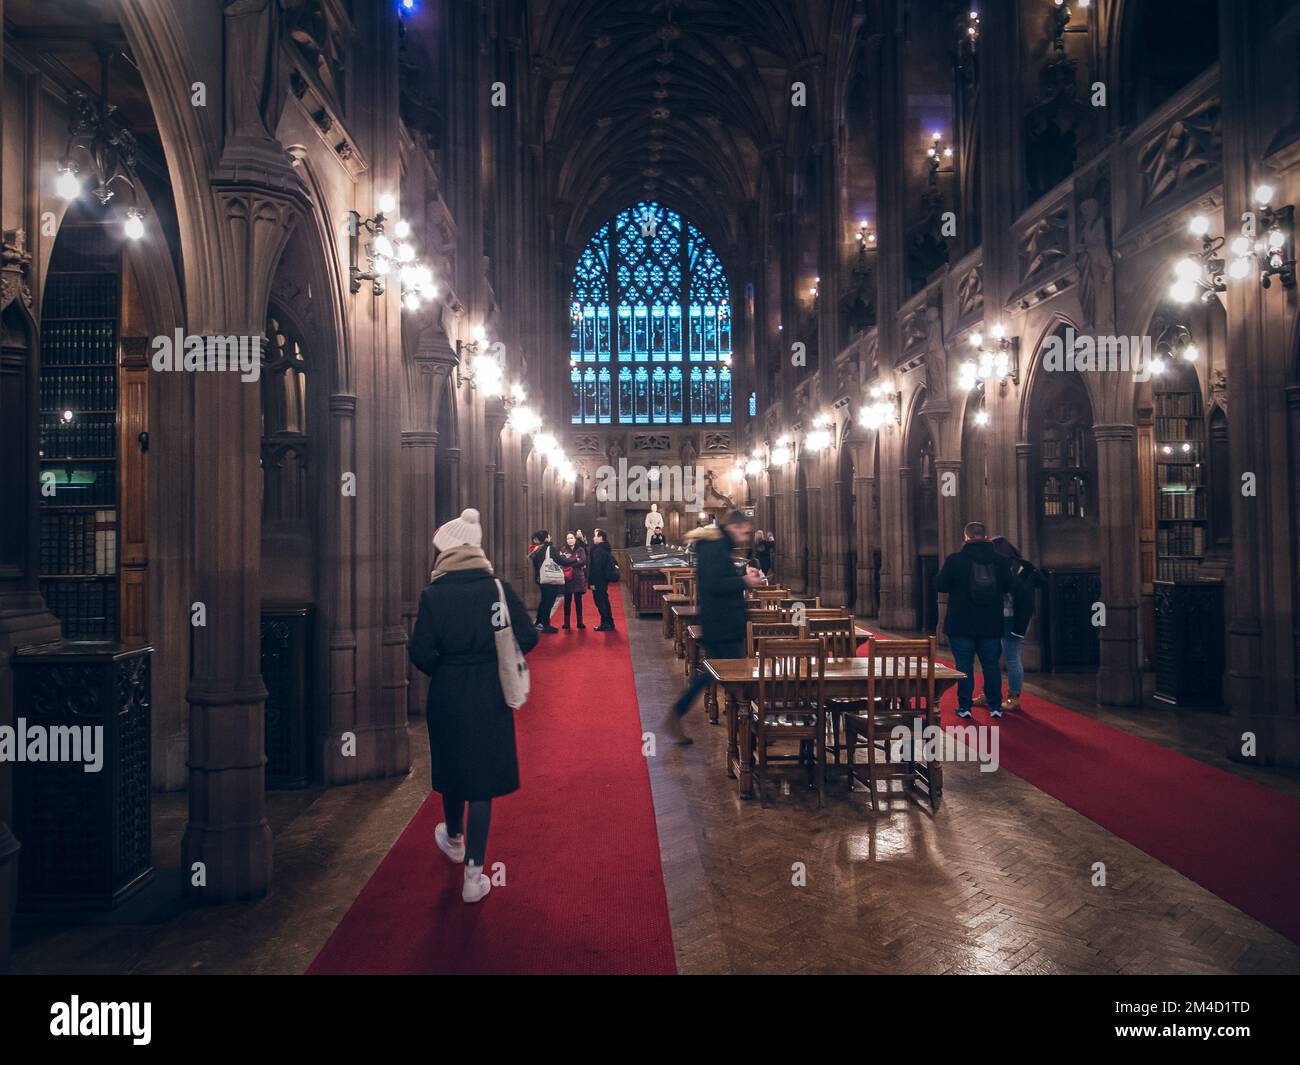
x=79, y=444
x=1182, y=528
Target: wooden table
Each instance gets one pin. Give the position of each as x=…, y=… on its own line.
x=669, y=602
x=846, y=678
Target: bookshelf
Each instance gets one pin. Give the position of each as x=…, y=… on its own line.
x=1181, y=517
x=79, y=429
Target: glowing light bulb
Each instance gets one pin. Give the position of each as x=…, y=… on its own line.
x=411, y=301
x=1191, y=353
x=1240, y=246
x=134, y=225
x=1187, y=269
x=383, y=246
x=1239, y=268
x=387, y=204
x=67, y=415
x=981, y=417
x=69, y=185
x=402, y=229
x=1263, y=195
x=1276, y=238
x=405, y=253
x=1182, y=291
x=1199, y=225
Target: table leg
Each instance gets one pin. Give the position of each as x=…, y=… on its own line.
x=668, y=620
x=733, y=753
x=679, y=647
x=711, y=702
x=746, y=762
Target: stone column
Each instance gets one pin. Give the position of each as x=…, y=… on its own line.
x=419, y=466
x=835, y=560
x=864, y=488
x=950, y=525
x=1026, y=525
x=1119, y=678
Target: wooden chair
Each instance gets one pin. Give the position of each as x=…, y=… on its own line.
x=768, y=599
x=759, y=630
x=788, y=709
x=810, y=602
x=900, y=689
x=821, y=613
x=840, y=635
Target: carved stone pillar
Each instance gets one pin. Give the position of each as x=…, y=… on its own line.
x=1119, y=679
x=948, y=472
x=1026, y=502
x=903, y=614
x=419, y=472
x=864, y=489
x=835, y=560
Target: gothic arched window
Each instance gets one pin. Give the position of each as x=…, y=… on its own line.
x=650, y=313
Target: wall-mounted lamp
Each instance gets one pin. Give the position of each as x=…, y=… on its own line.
x=477, y=369
x=939, y=156
x=1270, y=242
x=379, y=251
x=781, y=453
x=884, y=409
x=106, y=150
x=999, y=360
x=1061, y=20
x=820, y=436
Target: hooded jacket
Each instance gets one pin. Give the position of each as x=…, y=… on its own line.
x=720, y=587
x=965, y=617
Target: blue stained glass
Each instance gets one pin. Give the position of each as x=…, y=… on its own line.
x=624, y=332
x=602, y=332
x=602, y=396
x=625, y=405
x=649, y=268
x=753, y=404
x=640, y=332
x=575, y=379
x=659, y=395
x=674, y=333
x=658, y=332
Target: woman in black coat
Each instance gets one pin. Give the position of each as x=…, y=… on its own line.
x=471, y=729
x=1017, y=612
x=600, y=574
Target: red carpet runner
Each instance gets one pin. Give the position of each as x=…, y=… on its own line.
x=584, y=887
x=1233, y=837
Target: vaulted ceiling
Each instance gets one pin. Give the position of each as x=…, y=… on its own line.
x=667, y=100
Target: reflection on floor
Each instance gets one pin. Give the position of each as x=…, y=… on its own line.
x=1000, y=881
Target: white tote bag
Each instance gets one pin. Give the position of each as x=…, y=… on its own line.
x=551, y=572
x=511, y=667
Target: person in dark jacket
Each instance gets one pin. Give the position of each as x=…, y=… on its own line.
x=975, y=579
x=550, y=592
x=657, y=538
x=574, y=556
x=472, y=756
x=1017, y=612
x=763, y=552
x=600, y=574
x=720, y=594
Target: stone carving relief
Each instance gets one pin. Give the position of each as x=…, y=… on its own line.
x=714, y=442
x=314, y=27
x=586, y=443
x=1219, y=388
x=1184, y=149
x=651, y=442
x=970, y=291
x=14, y=261
x=1046, y=243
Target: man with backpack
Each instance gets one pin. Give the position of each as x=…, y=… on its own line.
x=975, y=578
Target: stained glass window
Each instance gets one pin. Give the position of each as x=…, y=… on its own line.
x=639, y=276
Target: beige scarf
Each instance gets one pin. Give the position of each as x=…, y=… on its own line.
x=461, y=557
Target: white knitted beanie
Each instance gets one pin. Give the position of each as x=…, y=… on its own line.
x=459, y=531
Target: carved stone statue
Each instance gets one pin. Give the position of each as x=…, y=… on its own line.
x=1096, y=269
x=251, y=61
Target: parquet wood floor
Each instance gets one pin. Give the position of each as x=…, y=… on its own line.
x=1000, y=881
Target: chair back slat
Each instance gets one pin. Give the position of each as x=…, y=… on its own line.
x=791, y=677
x=839, y=633
x=810, y=602
x=820, y=613
x=903, y=684
x=758, y=630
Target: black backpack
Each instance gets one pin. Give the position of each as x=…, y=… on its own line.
x=983, y=584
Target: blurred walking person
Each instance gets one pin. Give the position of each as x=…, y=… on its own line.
x=1017, y=611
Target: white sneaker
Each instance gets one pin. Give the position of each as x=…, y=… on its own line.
x=452, y=846
x=476, y=884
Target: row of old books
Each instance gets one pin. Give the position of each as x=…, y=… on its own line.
x=80, y=389
x=81, y=296
x=78, y=436
x=79, y=543
x=88, y=609
x=78, y=343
